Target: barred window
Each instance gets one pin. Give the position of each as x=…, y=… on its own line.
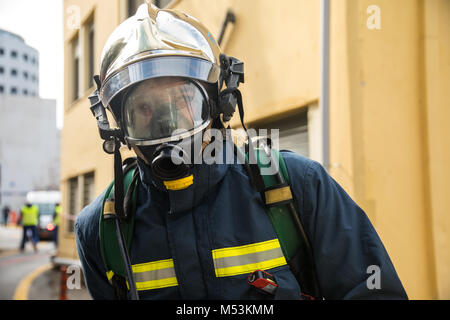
x=73, y=203
x=88, y=188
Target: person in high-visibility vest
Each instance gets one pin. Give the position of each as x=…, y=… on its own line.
x=56, y=217
x=30, y=219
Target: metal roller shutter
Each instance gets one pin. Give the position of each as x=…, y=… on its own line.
x=293, y=132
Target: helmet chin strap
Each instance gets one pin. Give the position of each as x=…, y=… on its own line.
x=118, y=181
x=233, y=74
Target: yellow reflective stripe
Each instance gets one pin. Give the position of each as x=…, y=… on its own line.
x=155, y=275
x=157, y=284
x=154, y=265
x=179, y=184
x=246, y=249
x=152, y=275
x=109, y=275
x=248, y=258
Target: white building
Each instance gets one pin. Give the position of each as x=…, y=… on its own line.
x=19, y=66
x=29, y=148
x=29, y=138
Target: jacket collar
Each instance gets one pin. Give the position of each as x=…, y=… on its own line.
x=206, y=177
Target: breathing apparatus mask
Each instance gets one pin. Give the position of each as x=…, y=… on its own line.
x=159, y=115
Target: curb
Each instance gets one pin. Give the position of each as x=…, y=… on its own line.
x=23, y=288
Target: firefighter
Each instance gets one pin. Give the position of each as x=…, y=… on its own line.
x=201, y=230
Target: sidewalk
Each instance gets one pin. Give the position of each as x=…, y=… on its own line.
x=47, y=286
x=10, y=238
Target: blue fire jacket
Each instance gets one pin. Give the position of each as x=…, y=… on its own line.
x=203, y=242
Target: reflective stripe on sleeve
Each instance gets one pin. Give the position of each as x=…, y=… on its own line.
x=155, y=275
x=152, y=275
x=248, y=258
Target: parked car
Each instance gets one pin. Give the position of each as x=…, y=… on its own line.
x=46, y=201
x=46, y=226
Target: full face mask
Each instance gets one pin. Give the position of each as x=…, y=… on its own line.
x=165, y=118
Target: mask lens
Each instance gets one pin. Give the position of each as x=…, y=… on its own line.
x=156, y=108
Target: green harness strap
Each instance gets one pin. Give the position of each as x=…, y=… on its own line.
x=279, y=216
x=279, y=213
x=109, y=244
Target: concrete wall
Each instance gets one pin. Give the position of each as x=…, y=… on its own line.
x=29, y=147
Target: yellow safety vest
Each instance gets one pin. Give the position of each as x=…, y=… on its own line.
x=30, y=215
x=57, y=211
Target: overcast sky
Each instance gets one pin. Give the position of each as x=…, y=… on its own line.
x=40, y=23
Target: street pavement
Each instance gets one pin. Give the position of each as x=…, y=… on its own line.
x=17, y=268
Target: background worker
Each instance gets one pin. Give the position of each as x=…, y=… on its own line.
x=6, y=211
x=56, y=219
x=29, y=221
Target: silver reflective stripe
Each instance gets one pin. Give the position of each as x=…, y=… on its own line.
x=155, y=275
x=248, y=258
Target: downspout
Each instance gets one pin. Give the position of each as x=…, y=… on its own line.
x=324, y=98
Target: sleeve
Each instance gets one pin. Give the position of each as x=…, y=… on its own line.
x=88, y=247
x=351, y=261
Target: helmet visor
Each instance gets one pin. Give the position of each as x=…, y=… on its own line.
x=156, y=110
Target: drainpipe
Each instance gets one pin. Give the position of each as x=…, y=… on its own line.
x=325, y=80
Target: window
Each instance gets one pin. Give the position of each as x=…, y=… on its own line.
x=25, y=75
x=133, y=6
x=2, y=89
x=13, y=54
x=33, y=78
x=25, y=92
x=75, y=69
x=161, y=3
x=2, y=70
x=293, y=132
x=88, y=189
x=14, y=72
x=13, y=91
x=89, y=53
x=80, y=193
x=25, y=57
x=73, y=203
x=2, y=51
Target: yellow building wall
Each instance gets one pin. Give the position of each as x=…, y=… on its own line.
x=388, y=141
x=280, y=51
x=436, y=77
x=81, y=146
x=389, y=105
